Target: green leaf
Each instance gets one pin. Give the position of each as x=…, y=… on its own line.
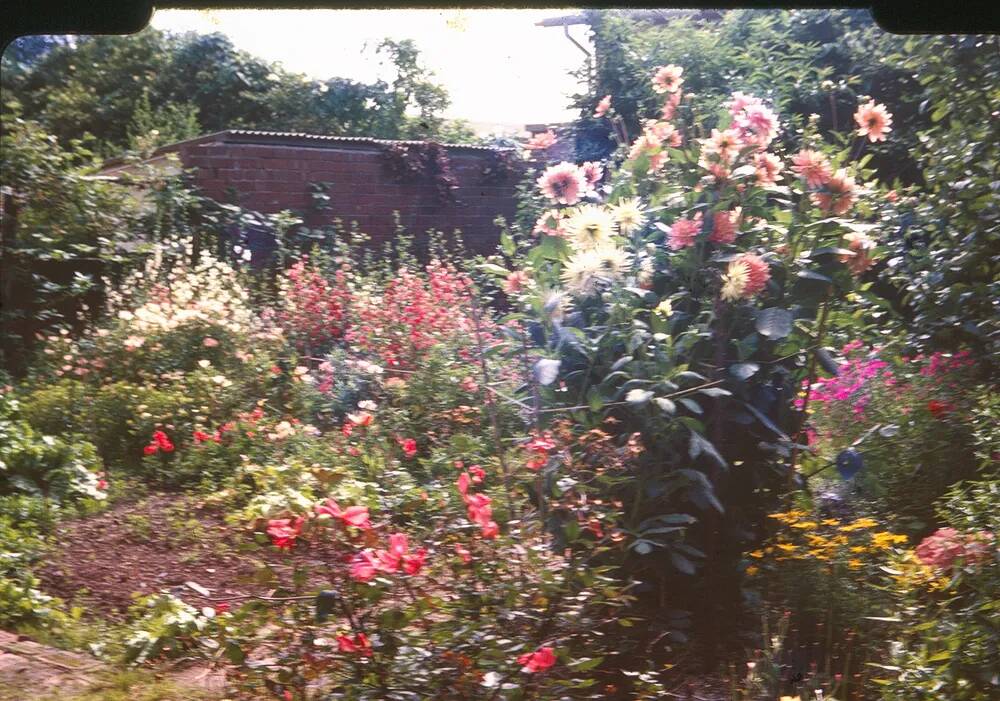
x=638, y=397
x=715, y=392
x=507, y=244
x=700, y=445
x=582, y=665
x=691, y=405
x=743, y=371
x=774, y=323
x=234, y=652
x=665, y=405
x=681, y=563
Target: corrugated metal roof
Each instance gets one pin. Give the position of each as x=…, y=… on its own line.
x=290, y=136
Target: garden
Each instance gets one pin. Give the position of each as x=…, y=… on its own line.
x=717, y=419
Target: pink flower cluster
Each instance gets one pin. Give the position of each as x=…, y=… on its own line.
x=367, y=563
x=315, y=308
x=477, y=505
x=946, y=545
x=285, y=531
x=852, y=378
x=413, y=315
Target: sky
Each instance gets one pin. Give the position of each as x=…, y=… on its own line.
x=498, y=67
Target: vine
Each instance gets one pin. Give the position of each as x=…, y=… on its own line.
x=428, y=161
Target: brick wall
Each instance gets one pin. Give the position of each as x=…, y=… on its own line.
x=274, y=173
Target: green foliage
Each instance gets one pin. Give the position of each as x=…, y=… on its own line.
x=118, y=89
x=58, y=468
x=166, y=627
x=910, y=421
x=947, y=645
x=946, y=260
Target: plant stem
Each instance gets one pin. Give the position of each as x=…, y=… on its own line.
x=491, y=405
x=810, y=379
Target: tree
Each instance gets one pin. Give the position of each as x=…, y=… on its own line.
x=118, y=89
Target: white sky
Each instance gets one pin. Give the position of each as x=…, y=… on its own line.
x=498, y=67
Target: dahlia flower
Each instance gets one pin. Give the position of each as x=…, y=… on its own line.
x=602, y=107
x=873, y=121
x=813, y=166
x=590, y=226
x=683, y=232
x=563, y=183
x=668, y=79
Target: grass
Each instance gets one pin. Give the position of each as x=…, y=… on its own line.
x=130, y=685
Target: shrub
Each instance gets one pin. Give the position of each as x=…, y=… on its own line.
x=946, y=592
x=909, y=422
x=61, y=469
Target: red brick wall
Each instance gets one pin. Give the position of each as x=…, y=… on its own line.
x=273, y=177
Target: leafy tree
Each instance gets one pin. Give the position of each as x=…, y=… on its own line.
x=119, y=89
x=947, y=260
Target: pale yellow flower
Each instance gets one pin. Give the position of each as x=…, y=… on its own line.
x=629, y=214
x=591, y=226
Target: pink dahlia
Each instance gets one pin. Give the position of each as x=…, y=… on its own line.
x=837, y=195
x=758, y=273
x=542, y=141
x=592, y=172
x=515, y=282
x=670, y=106
x=683, y=232
x=723, y=228
x=563, y=183
x=813, y=166
x=873, y=121
x=740, y=101
x=768, y=168
x=758, y=124
x=860, y=244
x=648, y=145
x=668, y=79
x=724, y=145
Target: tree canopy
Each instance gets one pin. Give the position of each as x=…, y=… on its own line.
x=111, y=90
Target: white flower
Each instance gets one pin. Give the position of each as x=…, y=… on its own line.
x=204, y=363
x=589, y=227
x=367, y=405
x=629, y=214
x=734, y=282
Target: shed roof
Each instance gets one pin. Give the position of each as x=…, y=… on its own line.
x=288, y=138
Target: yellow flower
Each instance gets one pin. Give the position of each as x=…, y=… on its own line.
x=858, y=549
x=664, y=308
x=855, y=564
x=805, y=525
x=757, y=554
x=752, y=570
x=859, y=524
x=786, y=547
x=830, y=522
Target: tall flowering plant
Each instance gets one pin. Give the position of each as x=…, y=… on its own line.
x=680, y=292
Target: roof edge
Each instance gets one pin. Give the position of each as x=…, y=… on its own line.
x=289, y=138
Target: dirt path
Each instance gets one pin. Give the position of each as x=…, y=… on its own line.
x=167, y=543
